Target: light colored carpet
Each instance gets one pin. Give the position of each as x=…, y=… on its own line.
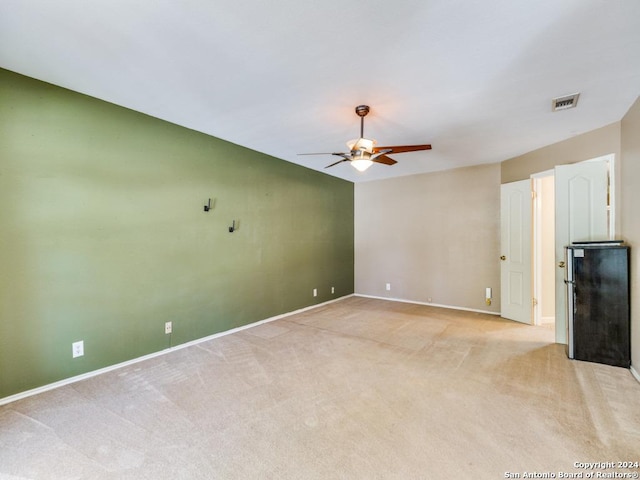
x=357, y=389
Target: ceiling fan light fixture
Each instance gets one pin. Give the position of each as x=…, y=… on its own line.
x=361, y=164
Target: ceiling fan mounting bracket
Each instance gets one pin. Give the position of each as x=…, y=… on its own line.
x=362, y=110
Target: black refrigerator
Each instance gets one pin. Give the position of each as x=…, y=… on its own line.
x=598, y=308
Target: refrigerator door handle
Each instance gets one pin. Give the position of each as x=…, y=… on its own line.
x=570, y=300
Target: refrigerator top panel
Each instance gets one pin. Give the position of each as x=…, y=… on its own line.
x=601, y=243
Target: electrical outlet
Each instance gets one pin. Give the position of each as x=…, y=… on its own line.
x=388, y=286
x=333, y=289
x=168, y=327
x=429, y=299
x=77, y=349
x=315, y=292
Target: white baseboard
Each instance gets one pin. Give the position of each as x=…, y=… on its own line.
x=94, y=373
x=427, y=304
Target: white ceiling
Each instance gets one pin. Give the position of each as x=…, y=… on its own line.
x=473, y=78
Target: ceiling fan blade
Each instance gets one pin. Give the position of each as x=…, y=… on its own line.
x=404, y=148
x=323, y=153
x=336, y=163
x=384, y=159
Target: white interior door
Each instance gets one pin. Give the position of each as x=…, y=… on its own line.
x=581, y=216
x=515, y=244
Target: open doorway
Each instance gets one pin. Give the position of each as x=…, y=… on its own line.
x=544, y=294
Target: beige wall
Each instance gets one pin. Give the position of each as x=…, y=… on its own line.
x=596, y=143
x=630, y=219
x=432, y=236
x=435, y=237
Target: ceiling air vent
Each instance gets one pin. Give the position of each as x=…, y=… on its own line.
x=563, y=103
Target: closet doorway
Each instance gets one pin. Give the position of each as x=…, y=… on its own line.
x=544, y=287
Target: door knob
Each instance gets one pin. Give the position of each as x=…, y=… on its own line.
x=502, y=257
x=561, y=264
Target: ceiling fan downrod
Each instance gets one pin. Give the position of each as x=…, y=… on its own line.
x=361, y=111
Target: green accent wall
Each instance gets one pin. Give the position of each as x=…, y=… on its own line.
x=103, y=237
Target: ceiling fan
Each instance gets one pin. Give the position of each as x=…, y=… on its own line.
x=363, y=152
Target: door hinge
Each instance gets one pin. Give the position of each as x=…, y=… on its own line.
x=534, y=302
